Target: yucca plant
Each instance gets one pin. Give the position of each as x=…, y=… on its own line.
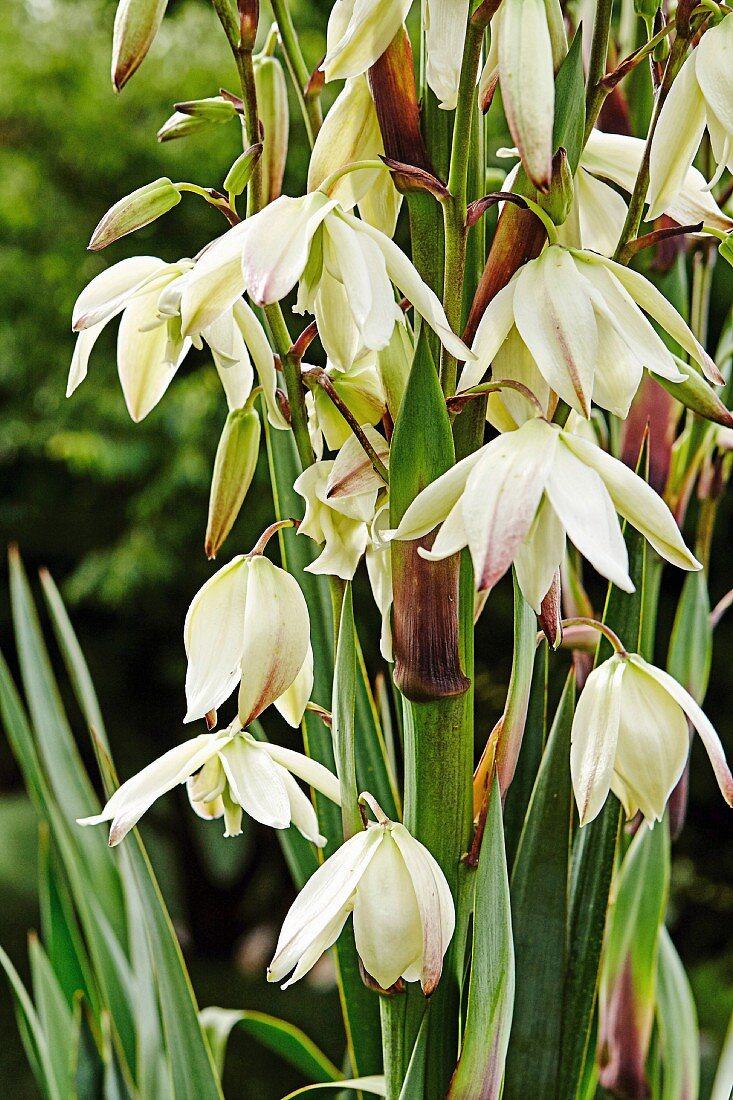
x=517, y=398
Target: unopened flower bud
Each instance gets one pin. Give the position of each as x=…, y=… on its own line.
x=134, y=211
x=234, y=467
x=197, y=115
x=241, y=171
x=136, y=25
x=559, y=198
x=272, y=102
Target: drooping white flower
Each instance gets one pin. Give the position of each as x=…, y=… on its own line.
x=248, y=625
x=580, y=317
x=404, y=915
x=340, y=501
x=226, y=773
x=345, y=269
x=150, y=344
x=630, y=736
x=360, y=389
x=517, y=498
x=350, y=133
x=701, y=97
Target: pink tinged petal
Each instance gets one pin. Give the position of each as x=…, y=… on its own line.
x=387, y=920
x=714, y=71
x=555, y=318
x=584, y=508
x=527, y=81
x=262, y=356
x=676, y=138
x=432, y=505
x=310, y=771
x=213, y=637
x=352, y=473
x=646, y=295
x=435, y=902
x=493, y=329
x=276, y=243
x=699, y=720
x=503, y=494
x=133, y=798
x=404, y=275
x=215, y=283
x=540, y=556
x=318, y=913
x=302, y=814
x=255, y=783
x=594, y=738
x=636, y=501
x=653, y=744
x=276, y=637
x=109, y=291
x=146, y=359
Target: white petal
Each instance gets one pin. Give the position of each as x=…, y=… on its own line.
x=451, y=537
x=714, y=71
x=502, y=496
x=85, y=341
x=276, y=243
x=594, y=737
x=276, y=637
x=699, y=720
x=363, y=272
x=352, y=473
x=292, y=703
x=387, y=920
x=147, y=359
x=302, y=814
x=656, y=305
x=636, y=501
x=405, y=276
x=255, y=783
x=602, y=213
x=432, y=505
x=555, y=318
x=514, y=362
x=133, y=798
x=310, y=771
x=108, y=292
x=323, y=904
x=359, y=31
x=676, y=138
x=653, y=743
x=435, y=902
x=540, y=556
x=493, y=329
x=215, y=283
x=335, y=320
x=254, y=336
x=213, y=636
x=584, y=507
x=445, y=34
x=231, y=359
x=527, y=82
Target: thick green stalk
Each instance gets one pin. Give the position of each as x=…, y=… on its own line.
x=596, y=93
x=310, y=105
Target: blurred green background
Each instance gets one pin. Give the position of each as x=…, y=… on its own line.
x=117, y=511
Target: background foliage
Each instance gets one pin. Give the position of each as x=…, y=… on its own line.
x=117, y=512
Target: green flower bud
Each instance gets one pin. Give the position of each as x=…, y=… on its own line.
x=559, y=197
x=241, y=171
x=216, y=108
x=234, y=467
x=272, y=100
x=134, y=211
x=136, y=25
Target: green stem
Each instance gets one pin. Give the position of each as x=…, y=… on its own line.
x=596, y=93
x=638, y=197
x=310, y=105
x=702, y=285
x=454, y=209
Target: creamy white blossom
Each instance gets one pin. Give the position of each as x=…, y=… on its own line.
x=226, y=773
x=404, y=915
x=579, y=316
x=345, y=269
x=150, y=345
x=359, y=387
x=701, y=97
x=248, y=625
x=630, y=736
x=516, y=499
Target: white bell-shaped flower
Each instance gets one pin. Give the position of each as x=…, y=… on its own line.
x=630, y=736
x=344, y=266
x=248, y=625
x=701, y=97
x=579, y=315
x=517, y=498
x=404, y=915
x=226, y=774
